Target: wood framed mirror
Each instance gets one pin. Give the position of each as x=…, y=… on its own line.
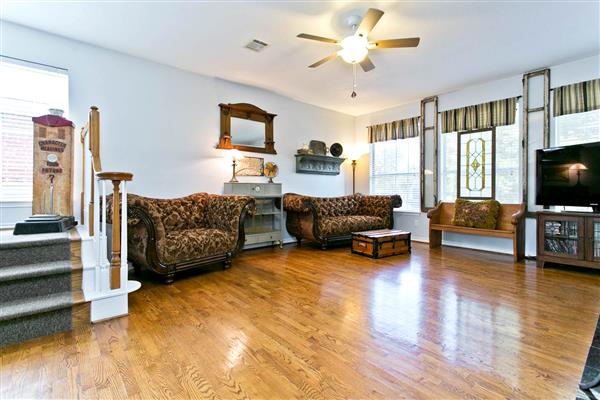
x=247, y=128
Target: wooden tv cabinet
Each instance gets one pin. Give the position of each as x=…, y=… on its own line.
x=569, y=238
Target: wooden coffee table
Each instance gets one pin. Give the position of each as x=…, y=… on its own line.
x=381, y=243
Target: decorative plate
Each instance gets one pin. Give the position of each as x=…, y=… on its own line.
x=271, y=170
x=336, y=149
x=317, y=147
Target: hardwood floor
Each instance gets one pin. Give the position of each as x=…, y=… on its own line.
x=446, y=323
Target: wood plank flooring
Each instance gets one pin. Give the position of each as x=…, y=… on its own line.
x=306, y=323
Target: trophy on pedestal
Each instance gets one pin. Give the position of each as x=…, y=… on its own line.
x=52, y=176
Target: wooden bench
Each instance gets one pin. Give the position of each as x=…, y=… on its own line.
x=511, y=225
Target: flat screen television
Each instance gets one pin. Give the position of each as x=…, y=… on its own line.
x=569, y=176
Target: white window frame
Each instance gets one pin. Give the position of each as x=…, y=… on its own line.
x=554, y=143
x=417, y=173
x=441, y=161
x=11, y=101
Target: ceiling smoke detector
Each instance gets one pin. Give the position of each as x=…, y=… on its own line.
x=256, y=45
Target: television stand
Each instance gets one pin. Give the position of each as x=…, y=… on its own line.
x=568, y=238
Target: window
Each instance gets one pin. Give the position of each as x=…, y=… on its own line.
x=508, y=160
x=577, y=128
x=395, y=169
x=476, y=167
x=26, y=90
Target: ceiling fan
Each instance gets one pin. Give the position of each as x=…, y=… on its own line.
x=355, y=47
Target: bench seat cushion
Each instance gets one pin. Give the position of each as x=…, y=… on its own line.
x=345, y=225
x=476, y=214
x=472, y=231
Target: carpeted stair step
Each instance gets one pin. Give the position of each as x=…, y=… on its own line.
x=22, y=252
x=32, y=280
x=25, y=319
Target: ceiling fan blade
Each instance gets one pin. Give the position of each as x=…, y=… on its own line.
x=317, y=38
x=369, y=21
x=390, y=43
x=366, y=64
x=324, y=60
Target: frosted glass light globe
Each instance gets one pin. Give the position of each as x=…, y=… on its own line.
x=354, y=49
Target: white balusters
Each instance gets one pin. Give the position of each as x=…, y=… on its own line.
x=108, y=287
x=97, y=237
x=104, y=236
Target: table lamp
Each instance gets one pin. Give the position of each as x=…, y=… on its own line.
x=235, y=155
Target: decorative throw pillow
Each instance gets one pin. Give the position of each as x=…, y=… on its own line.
x=476, y=214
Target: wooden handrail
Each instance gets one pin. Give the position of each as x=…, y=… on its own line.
x=119, y=226
x=94, y=126
x=82, y=135
x=115, y=176
x=93, y=130
x=115, y=260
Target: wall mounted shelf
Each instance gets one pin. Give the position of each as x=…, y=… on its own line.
x=318, y=164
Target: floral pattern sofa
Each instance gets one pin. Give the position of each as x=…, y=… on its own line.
x=328, y=219
x=171, y=235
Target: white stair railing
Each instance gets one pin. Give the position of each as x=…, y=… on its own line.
x=109, y=282
x=118, y=257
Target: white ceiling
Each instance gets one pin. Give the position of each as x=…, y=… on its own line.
x=461, y=42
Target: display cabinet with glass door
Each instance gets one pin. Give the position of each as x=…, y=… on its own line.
x=265, y=224
x=568, y=238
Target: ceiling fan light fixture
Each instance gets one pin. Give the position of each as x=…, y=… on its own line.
x=354, y=49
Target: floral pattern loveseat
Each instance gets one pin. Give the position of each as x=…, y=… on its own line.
x=328, y=219
x=171, y=235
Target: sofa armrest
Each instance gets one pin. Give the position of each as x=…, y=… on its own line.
x=372, y=200
x=146, y=211
x=434, y=214
x=295, y=203
x=140, y=209
x=226, y=212
x=379, y=206
x=517, y=217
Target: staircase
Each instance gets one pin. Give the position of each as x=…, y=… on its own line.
x=56, y=282
x=40, y=285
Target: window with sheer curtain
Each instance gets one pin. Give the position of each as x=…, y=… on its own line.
x=577, y=128
x=26, y=90
x=395, y=169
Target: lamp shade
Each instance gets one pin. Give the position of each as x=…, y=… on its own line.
x=357, y=150
x=234, y=154
x=354, y=49
x=578, y=167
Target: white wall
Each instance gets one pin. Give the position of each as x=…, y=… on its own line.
x=162, y=123
x=577, y=71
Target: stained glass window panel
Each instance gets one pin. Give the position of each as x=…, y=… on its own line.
x=476, y=169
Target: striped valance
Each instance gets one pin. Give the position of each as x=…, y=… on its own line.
x=576, y=98
x=402, y=129
x=480, y=116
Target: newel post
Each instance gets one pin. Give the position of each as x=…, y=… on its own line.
x=115, y=260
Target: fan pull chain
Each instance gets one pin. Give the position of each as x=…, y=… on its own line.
x=353, y=95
